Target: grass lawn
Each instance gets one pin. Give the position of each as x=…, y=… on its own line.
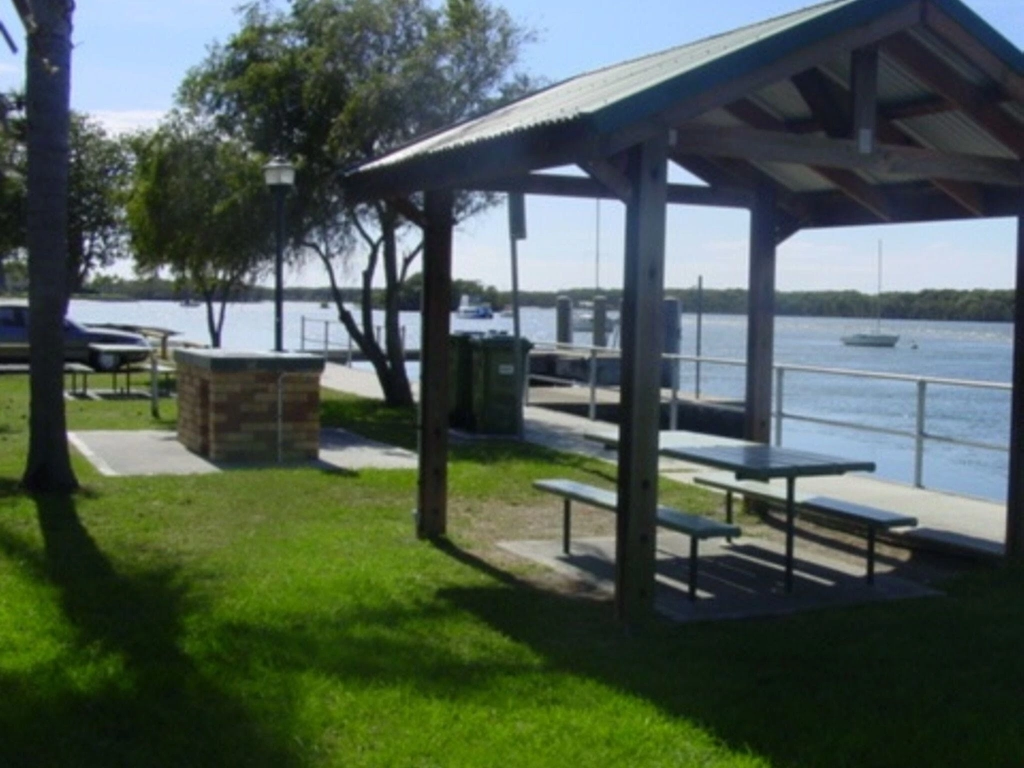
x=288, y=617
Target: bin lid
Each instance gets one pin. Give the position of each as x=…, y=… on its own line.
x=500, y=342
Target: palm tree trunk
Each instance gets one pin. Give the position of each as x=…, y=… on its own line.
x=48, y=85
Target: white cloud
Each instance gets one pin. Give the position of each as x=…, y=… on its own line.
x=126, y=120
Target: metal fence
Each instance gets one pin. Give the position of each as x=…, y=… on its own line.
x=918, y=389
x=330, y=339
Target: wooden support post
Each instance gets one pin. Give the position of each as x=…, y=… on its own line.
x=642, y=330
x=1015, y=492
x=432, y=489
x=864, y=90
x=760, y=318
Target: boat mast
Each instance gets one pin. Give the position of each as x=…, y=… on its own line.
x=878, y=295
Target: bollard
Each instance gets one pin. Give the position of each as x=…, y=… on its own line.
x=563, y=320
x=672, y=317
x=600, y=321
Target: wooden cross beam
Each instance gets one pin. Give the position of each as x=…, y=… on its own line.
x=940, y=77
x=848, y=182
x=887, y=160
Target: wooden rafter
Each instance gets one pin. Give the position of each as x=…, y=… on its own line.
x=901, y=18
x=900, y=161
x=940, y=77
x=725, y=175
x=858, y=190
x=557, y=185
x=912, y=203
x=609, y=174
x=1009, y=80
x=830, y=103
x=864, y=82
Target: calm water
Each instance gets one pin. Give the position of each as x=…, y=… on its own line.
x=976, y=351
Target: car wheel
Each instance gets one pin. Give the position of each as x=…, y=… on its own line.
x=106, y=361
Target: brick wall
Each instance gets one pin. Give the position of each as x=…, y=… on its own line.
x=233, y=415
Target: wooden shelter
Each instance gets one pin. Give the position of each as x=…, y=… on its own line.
x=848, y=112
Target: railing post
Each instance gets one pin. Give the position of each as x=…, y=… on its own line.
x=302, y=333
x=327, y=339
x=779, y=379
x=593, y=384
x=922, y=388
x=349, y=362
x=696, y=379
x=673, y=413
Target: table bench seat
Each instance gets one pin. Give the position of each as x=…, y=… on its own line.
x=696, y=527
x=871, y=518
x=751, y=489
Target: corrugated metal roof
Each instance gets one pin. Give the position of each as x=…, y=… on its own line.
x=588, y=94
x=955, y=132
x=561, y=123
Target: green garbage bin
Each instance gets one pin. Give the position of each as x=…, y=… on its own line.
x=460, y=380
x=496, y=400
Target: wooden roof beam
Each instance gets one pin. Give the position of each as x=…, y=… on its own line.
x=558, y=185
x=849, y=183
x=898, y=110
x=899, y=19
x=887, y=160
x=611, y=175
x=950, y=84
x=864, y=85
x=725, y=174
x=1010, y=81
x=912, y=204
x=830, y=100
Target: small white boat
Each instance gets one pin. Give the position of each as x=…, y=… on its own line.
x=874, y=338
x=871, y=340
x=583, y=321
x=473, y=309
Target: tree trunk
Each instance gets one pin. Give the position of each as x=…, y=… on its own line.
x=398, y=390
x=48, y=81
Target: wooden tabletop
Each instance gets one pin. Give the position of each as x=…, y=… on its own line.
x=763, y=462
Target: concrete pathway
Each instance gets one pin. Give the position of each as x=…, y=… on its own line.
x=946, y=520
x=153, y=452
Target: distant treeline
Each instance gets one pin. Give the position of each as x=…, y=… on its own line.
x=945, y=304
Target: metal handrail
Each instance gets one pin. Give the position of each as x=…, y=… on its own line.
x=325, y=343
x=919, y=434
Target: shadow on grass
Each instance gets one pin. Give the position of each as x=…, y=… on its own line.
x=926, y=682
x=125, y=693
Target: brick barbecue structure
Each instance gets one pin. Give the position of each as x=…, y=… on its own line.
x=249, y=406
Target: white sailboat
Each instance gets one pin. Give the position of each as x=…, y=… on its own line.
x=874, y=338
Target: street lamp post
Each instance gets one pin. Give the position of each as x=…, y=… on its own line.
x=280, y=176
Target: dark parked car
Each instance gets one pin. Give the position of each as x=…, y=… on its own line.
x=78, y=340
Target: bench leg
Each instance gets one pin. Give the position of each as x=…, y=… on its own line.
x=728, y=512
x=566, y=525
x=693, y=568
x=871, y=555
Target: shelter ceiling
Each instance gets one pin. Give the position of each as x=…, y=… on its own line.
x=852, y=111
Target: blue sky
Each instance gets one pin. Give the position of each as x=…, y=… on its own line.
x=130, y=56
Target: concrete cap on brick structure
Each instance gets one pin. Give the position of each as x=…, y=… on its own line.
x=230, y=361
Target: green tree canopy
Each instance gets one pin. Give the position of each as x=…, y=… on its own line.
x=199, y=208
x=99, y=175
x=332, y=82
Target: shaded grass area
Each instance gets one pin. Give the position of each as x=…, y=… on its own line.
x=287, y=617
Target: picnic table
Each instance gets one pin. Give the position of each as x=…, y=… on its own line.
x=765, y=462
